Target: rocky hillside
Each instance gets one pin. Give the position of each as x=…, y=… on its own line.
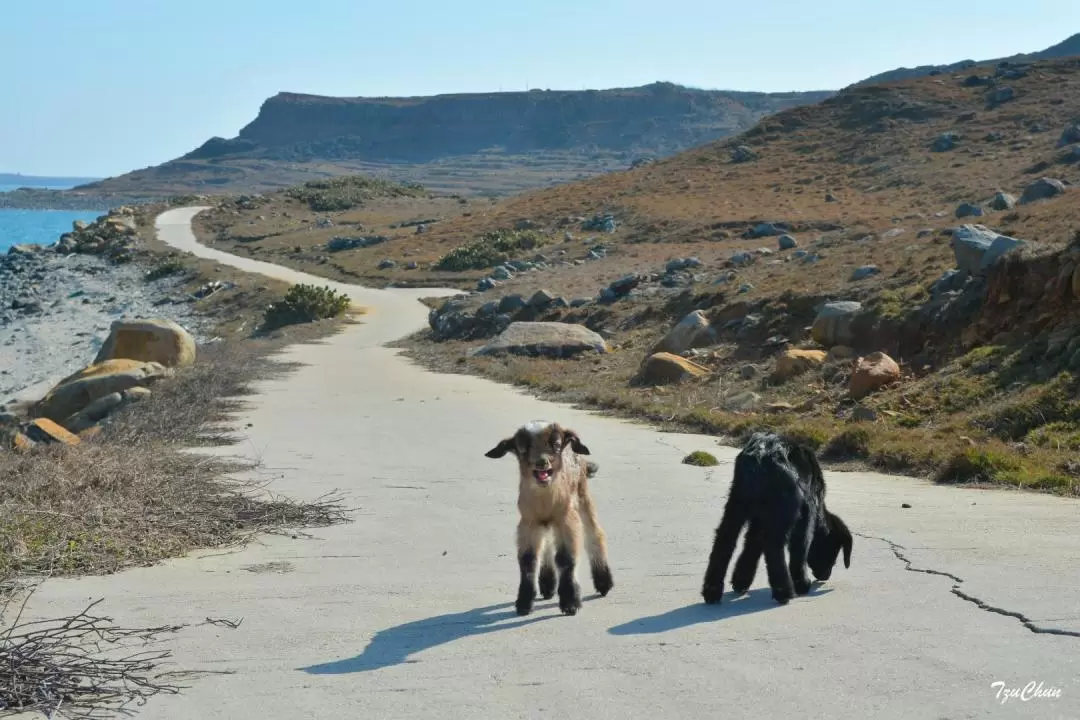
x=466, y=143
x=869, y=225
x=1067, y=48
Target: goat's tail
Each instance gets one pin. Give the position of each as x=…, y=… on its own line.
x=591, y=469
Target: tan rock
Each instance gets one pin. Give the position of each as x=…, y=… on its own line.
x=43, y=430
x=794, y=362
x=75, y=392
x=692, y=331
x=665, y=368
x=872, y=373
x=152, y=340
x=95, y=412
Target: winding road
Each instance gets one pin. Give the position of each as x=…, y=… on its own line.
x=407, y=612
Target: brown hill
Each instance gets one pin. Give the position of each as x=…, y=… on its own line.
x=468, y=143
x=873, y=178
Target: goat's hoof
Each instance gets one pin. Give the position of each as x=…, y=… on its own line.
x=739, y=590
x=570, y=603
x=523, y=608
x=802, y=587
x=712, y=594
x=547, y=583
x=602, y=580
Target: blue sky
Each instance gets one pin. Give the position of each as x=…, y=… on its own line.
x=100, y=87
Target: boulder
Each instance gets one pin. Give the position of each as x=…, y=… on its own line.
x=787, y=242
x=841, y=352
x=47, y=432
x=1002, y=201
x=692, y=331
x=94, y=413
x=832, y=326
x=545, y=339
x=944, y=142
x=511, y=303
x=541, y=298
x=1000, y=95
x=664, y=368
x=153, y=340
x=871, y=373
x=764, y=230
x=1070, y=135
x=968, y=210
x=1042, y=189
x=794, y=362
x=741, y=402
x=742, y=153
x=75, y=392
x=976, y=247
x=865, y=271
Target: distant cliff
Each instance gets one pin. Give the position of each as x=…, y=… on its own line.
x=468, y=142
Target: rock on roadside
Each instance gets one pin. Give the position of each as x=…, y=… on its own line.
x=544, y=339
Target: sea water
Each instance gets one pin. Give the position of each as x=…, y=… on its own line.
x=39, y=227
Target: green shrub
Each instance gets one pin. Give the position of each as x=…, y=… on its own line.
x=700, y=458
x=492, y=249
x=345, y=193
x=851, y=443
x=165, y=269
x=977, y=464
x=305, y=303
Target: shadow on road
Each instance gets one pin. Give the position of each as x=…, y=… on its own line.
x=754, y=601
x=393, y=646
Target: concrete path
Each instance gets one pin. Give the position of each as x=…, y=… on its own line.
x=407, y=612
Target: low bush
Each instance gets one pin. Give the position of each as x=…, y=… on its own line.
x=492, y=249
x=305, y=303
x=346, y=193
x=700, y=458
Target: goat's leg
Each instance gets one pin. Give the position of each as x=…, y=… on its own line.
x=596, y=542
x=529, y=537
x=727, y=534
x=746, y=566
x=777, y=529
x=798, y=547
x=548, y=580
x=567, y=552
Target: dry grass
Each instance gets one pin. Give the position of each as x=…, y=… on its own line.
x=131, y=496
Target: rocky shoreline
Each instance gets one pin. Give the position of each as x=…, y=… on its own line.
x=58, y=303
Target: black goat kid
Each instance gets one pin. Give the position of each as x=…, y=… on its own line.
x=779, y=489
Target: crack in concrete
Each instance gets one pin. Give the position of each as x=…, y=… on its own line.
x=957, y=581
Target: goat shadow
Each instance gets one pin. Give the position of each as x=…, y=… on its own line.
x=731, y=606
x=394, y=645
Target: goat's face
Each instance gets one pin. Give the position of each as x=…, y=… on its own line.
x=538, y=447
x=826, y=546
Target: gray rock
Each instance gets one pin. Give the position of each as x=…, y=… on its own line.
x=861, y=413
x=624, y=285
x=748, y=372
x=944, y=142
x=502, y=273
x=413, y=265
x=949, y=280
x=1070, y=135
x=742, y=153
x=787, y=242
x=541, y=298
x=829, y=197
x=764, y=230
x=601, y=223
x=1002, y=201
x=545, y=339
x=968, y=210
x=745, y=288
x=608, y=295
x=925, y=232
x=861, y=273
x=386, y=264
x=976, y=247
x=741, y=402
x=485, y=285
x=488, y=309
x=799, y=254
x=510, y=304
x=742, y=259
x=580, y=302
x=1042, y=189
x=682, y=264
x=832, y=326
x=1000, y=95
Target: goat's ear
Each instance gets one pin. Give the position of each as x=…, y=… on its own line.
x=571, y=438
x=838, y=528
x=502, y=448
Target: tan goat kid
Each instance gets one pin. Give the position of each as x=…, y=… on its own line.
x=555, y=507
